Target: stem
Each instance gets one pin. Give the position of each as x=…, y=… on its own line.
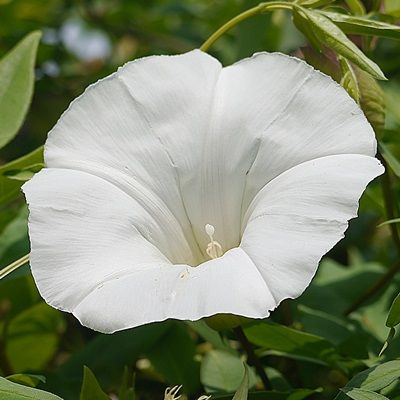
x=273, y=5
x=252, y=357
x=391, y=213
x=13, y=266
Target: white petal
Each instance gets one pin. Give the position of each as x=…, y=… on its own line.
x=142, y=129
x=302, y=214
x=229, y=284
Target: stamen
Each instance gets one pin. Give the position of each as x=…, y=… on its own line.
x=214, y=249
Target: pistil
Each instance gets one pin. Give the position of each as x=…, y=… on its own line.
x=214, y=249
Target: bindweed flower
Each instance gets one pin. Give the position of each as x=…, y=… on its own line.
x=176, y=188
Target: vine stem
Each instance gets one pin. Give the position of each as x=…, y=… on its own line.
x=14, y=265
x=273, y=5
x=252, y=357
x=391, y=212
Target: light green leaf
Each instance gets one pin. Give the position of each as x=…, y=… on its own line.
x=10, y=188
x=290, y=341
x=91, y=389
x=372, y=100
x=16, y=85
x=356, y=7
x=363, y=26
x=33, y=337
x=349, y=79
x=361, y=394
x=222, y=371
x=330, y=35
x=393, y=318
x=27, y=379
x=243, y=390
x=24, y=174
x=392, y=161
x=13, y=391
x=389, y=221
x=302, y=23
x=296, y=394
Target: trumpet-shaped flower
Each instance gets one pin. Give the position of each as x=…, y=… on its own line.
x=176, y=188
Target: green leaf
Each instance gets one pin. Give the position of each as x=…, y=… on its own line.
x=393, y=318
x=389, y=221
x=91, y=389
x=372, y=100
x=361, y=394
x=356, y=7
x=33, y=337
x=27, y=379
x=302, y=23
x=243, y=390
x=13, y=391
x=16, y=85
x=10, y=188
x=349, y=79
x=222, y=371
x=290, y=341
x=363, y=26
x=127, y=389
x=24, y=174
x=392, y=161
x=174, y=358
x=330, y=35
x=297, y=394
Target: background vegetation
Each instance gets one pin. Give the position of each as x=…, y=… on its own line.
x=312, y=346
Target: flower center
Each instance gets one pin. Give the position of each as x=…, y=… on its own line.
x=214, y=249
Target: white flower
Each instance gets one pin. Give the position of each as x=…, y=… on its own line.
x=172, y=394
x=176, y=188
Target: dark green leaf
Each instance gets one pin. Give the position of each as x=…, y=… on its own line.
x=356, y=7
x=127, y=389
x=24, y=174
x=297, y=394
x=393, y=318
x=330, y=35
x=13, y=391
x=174, y=358
x=389, y=157
x=91, y=389
x=363, y=26
x=16, y=85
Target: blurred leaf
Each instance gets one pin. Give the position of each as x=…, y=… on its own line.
x=27, y=379
x=16, y=85
x=91, y=389
x=372, y=100
x=393, y=318
x=330, y=35
x=123, y=348
x=349, y=79
x=174, y=358
x=389, y=221
x=356, y=7
x=127, y=389
x=24, y=174
x=10, y=188
x=363, y=26
x=361, y=394
x=243, y=390
x=324, y=62
x=297, y=394
x=13, y=391
x=32, y=337
x=392, y=161
x=222, y=371
x=309, y=347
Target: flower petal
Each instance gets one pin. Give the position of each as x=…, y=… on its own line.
x=300, y=215
x=141, y=129
x=91, y=254
x=180, y=292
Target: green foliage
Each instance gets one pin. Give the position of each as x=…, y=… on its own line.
x=12, y=391
x=16, y=86
x=243, y=390
x=91, y=389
